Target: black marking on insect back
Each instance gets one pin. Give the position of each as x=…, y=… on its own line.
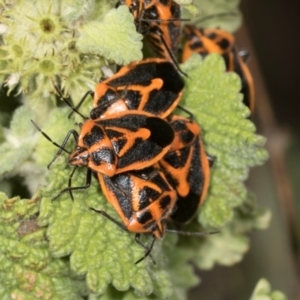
x=146, y=196
x=187, y=137
x=179, y=125
x=139, y=152
x=196, y=176
x=104, y=155
x=112, y=184
x=159, y=101
x=140, y=74
x=196, y=45
x=172, y=80
x=164, y=2
x=124, y=182
x=111, y=133
x=145, y=217
x=151, y=13
x=160, y=182
x=211, y=35
x=224, y=44
x=177, y=159
x=165, y=202
x=172, y=180
x=175, y=10
x=110, y=95
x=128, y=121
x=97, y=134
x=118, y=145
x=132, y=99
x=185, y=208
x=161, y=132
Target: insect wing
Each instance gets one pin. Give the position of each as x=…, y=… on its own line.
x=151, y=85
x=206, y=41
x=143, y=199
x=139, y=139
x=164, y=36
x=186, y=167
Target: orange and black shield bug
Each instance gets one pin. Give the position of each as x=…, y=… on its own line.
x=187, y=168
x=143, y=199
x=206, y=41
x=159, y=21
x=129, y=140
x=163, y=17
x=151, y=85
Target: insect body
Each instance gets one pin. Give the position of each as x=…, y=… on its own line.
x=186, y=166
x=129, y=140
x=150, y=85
x=159, y=21
x=143, y=199
x=206, y=41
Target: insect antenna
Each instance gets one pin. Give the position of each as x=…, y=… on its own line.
x=48, y=138
x=74, y=109
x=191, y=233
x=218, y=15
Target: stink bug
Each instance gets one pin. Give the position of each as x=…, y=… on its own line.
x=159, y=21
x=129, y=140
x=206, y=41
x=152, y=85
x=187, y=168
x=143, y=199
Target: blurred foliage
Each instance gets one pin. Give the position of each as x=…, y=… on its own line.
x=263, y=292
x=214, y=13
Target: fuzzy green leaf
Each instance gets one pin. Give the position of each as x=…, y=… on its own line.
x=115, y=38
x=213, y=97
x=217, y=13
x=263, y=292
x=19, y=141
x=27, y=270
x=224, y=248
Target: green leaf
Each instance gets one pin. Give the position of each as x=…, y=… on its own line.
x=27, y=270
x=213, y=97
x=19, y=141
x=223, y=248
x=249, y=216
x=217, y=13
x=263, y=292
x=115, y=38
